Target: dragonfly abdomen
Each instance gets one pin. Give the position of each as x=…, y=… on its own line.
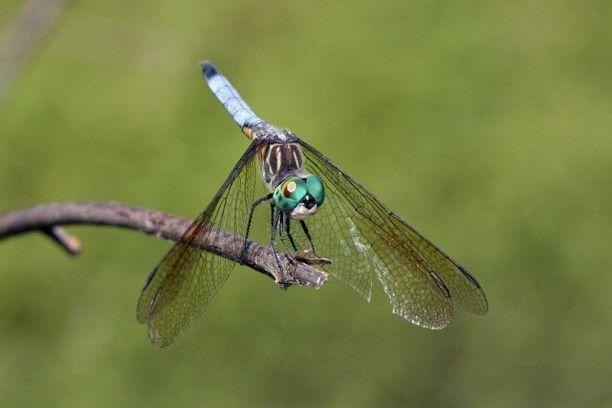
x=229, y=97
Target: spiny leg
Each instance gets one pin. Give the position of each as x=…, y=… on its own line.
x=248, y=229
x=305, y=229
x=288, y=230
x=275, y=223
x=281, y=222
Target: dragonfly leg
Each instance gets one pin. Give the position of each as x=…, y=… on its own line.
x=305, y=228
x=248, y=229
x=281, y=222
x=288, y=231
x=275, y=223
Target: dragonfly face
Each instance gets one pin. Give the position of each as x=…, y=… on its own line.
x=299, y=197
x=359, y=237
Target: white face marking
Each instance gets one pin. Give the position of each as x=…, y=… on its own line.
x=291, y=186
x=301, y=212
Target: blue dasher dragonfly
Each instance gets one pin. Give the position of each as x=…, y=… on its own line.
x=315, y=207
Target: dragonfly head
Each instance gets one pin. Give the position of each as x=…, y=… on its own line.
x=299, y=197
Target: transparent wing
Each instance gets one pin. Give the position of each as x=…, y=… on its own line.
x=359, y=234
x=181, y=286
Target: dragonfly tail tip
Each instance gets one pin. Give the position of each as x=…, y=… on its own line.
x=208, y=69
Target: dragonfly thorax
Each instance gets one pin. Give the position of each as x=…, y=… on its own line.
x=299, y=196
x=279, y=161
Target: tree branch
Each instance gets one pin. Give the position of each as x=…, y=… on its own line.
x=47, y=218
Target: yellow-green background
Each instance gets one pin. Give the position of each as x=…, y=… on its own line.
x=486, y=125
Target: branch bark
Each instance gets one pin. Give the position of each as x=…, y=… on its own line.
x=49, y=217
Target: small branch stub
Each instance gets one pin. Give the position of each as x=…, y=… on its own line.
x=70, y=243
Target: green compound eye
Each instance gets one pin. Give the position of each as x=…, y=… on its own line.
x=315, y=189
x=289, y=193
x=295, y=191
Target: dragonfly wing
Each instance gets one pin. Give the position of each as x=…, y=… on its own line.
x=359, y=234
x=181, y=286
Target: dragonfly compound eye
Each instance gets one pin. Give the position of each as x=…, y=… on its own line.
x=289, y=193
x=315, y=188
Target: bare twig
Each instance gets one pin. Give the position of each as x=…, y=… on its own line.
x=48, y=217
x=70, y=243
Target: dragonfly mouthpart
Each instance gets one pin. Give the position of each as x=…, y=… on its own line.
x=303, y=210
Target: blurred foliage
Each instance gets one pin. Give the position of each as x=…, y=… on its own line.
x=486, y=125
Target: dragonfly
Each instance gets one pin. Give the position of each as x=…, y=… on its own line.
x=316, y=208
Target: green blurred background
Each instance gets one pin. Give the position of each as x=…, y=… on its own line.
x=486, y=125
